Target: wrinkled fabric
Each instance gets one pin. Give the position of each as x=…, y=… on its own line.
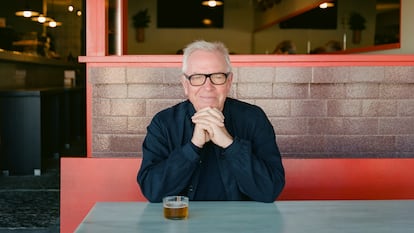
x=250, y=168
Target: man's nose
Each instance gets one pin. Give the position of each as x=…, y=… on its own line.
x=208, y=83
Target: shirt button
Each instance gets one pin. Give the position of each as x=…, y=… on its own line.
x=190, y=188
x=201, y=161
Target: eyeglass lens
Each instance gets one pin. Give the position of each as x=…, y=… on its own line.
x=200, y=79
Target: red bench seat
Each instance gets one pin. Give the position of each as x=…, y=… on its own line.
x=85, y=181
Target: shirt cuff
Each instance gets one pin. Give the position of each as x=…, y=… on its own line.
x=195, y=148
x=233, y=146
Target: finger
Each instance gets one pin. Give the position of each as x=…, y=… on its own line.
x=212, y=116
x=217, y=113
x=207, y=120
x=211, y=112
x=208, y=131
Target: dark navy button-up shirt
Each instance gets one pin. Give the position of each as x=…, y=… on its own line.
x=249, y=169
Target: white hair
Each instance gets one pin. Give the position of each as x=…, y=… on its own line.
x=205, y=46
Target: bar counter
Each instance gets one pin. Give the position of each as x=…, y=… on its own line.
x=36, y=124
x=14, y=56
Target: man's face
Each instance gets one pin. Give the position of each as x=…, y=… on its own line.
x=208, y=94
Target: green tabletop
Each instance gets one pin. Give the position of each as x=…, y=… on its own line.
x=395, y=216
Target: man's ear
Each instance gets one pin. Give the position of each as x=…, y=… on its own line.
x=230, y=77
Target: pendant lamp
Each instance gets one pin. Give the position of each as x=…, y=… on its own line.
x=53, y=23
x=42, y=19
x=212, y=3
x=27, y=12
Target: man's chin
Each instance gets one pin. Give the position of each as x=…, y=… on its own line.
x=207, y=103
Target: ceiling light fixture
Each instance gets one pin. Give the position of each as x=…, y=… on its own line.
x=53, y=24
x=41, y=19
x=27, y=12
x=212, y=3
x=326, y=5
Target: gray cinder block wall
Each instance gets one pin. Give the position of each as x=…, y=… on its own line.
x=344, y=111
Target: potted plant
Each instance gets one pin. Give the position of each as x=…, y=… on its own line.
x=141, y=20
x=356, y=24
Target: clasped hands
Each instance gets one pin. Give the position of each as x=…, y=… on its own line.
x=209, y=125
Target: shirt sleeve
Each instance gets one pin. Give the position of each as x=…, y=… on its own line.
x=164, y=170
x=253, y=161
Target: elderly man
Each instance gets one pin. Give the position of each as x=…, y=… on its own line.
x=210, y=147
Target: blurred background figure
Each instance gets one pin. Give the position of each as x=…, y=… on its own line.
x=318, y=50
x=285, y=47
x=333, y=46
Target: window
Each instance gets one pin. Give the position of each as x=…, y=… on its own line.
x=188, y=14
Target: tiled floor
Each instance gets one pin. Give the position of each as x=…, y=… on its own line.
x=30, y=203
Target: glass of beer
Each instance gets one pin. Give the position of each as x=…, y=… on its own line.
x=175, y=207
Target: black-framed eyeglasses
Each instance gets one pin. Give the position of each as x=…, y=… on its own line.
x=200, y=79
